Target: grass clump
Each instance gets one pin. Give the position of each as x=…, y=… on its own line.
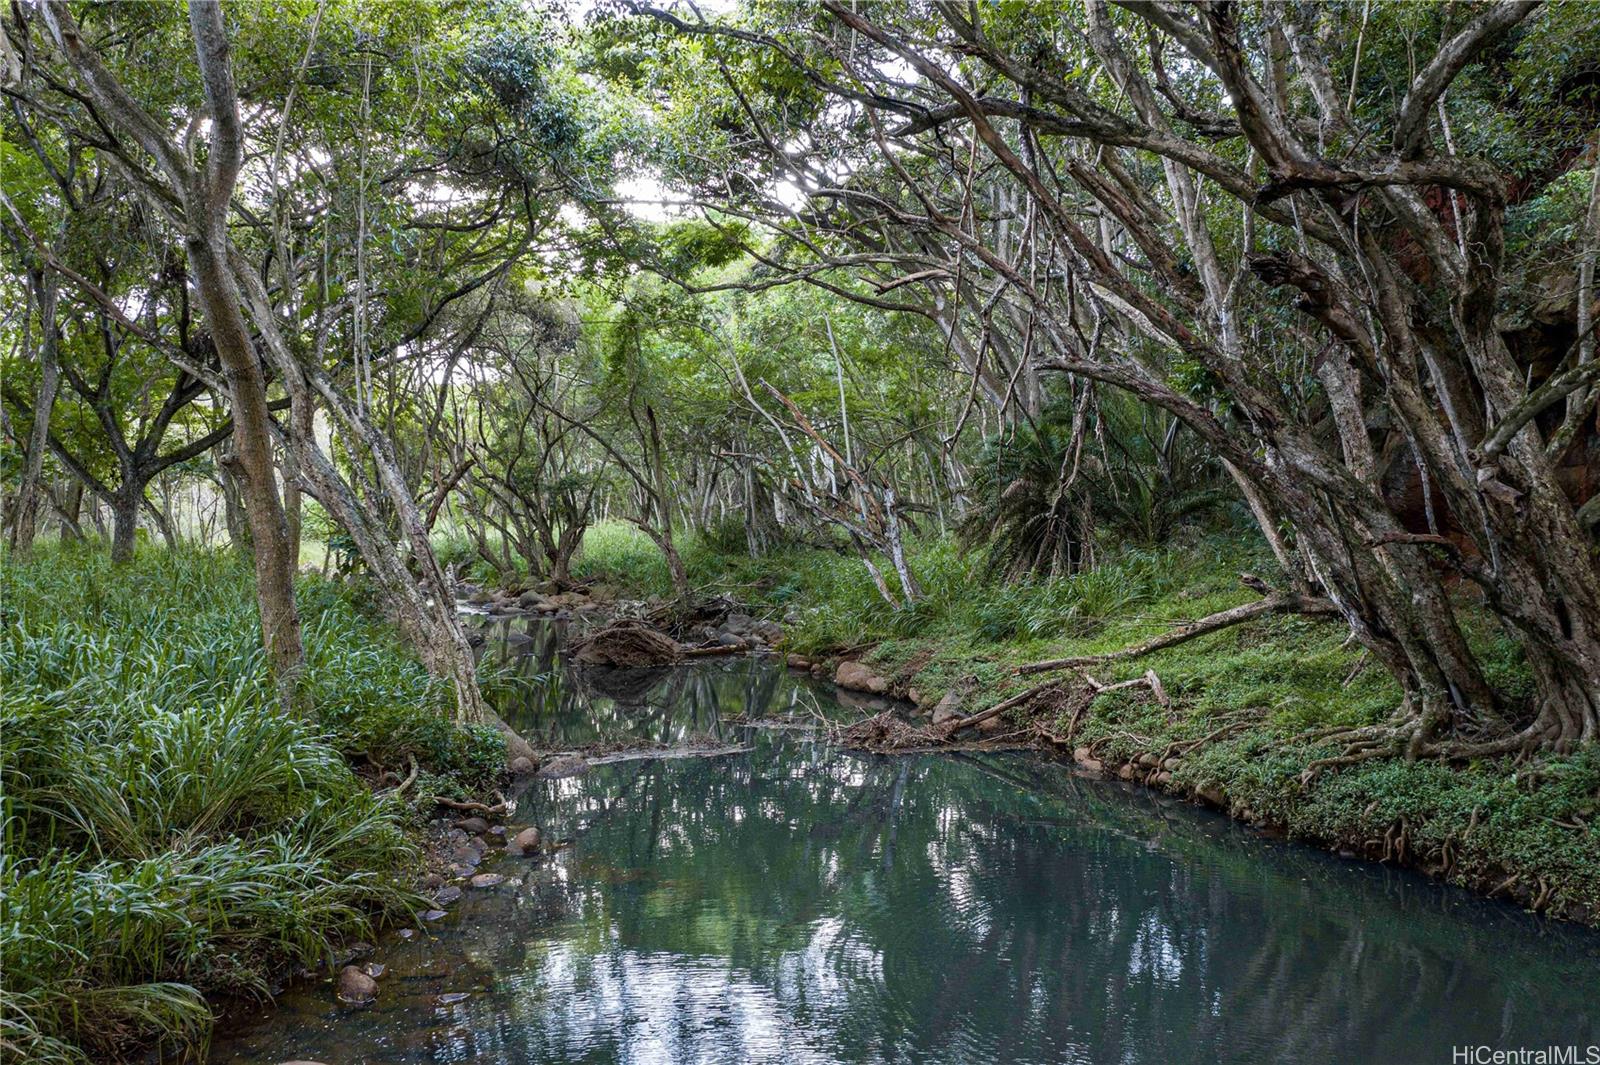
x=169, y=833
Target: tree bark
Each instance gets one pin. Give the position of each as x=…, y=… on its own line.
x=25, y=524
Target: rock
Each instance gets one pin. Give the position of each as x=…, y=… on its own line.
x=530, y=600
x=466, y=854
x=446, y=895
x=472, y=825
x=915, y=695
x=992, y=724
x=728, y=639
x=522, y=765
x=487, y=880
x=1213, y=795
x=947, y=709
x=452, y=997
x=517, y=636
x=798, y=662
x=407, y=933
x=569, y=766
x=819, y=669
x=1085, y=757
x=1161, y=779
x=769, y=631
x=480, y=597
x=499, y=832
x=432, y=915
x=374, y=969
x=1148, y=760
x=524, y=842
x=432, y=882
x=1126, y=772
x=479, y=844
x=739, y=624
x=356, y=986
x=1172, y=763
x=857, y=677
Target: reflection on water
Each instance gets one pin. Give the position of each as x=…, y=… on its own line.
x=796, y=904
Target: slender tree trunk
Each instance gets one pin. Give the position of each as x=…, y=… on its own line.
x=25, y=524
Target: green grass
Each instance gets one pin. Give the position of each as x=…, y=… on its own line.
x=169, y=833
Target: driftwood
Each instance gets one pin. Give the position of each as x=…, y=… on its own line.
x=628, y=644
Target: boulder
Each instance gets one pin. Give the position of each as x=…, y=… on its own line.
x=473, y=825
x=569, y=766
x=530, y=600
x=524, y=842
x=356, y=986
x=857, y=677
x=947, y=709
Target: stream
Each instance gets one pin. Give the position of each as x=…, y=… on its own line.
x=796, y=903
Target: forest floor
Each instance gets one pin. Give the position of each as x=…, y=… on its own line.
x=1230, y=723
x=173, y=840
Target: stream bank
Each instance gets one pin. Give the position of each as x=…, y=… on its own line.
x=791, y=901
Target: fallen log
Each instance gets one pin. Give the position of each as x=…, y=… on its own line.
x=1277, y=603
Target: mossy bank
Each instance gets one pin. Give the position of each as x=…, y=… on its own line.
x=1253, y=696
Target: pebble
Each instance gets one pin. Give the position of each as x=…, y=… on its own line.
x=487, y=880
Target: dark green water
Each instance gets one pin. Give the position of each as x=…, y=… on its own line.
x=797, y=904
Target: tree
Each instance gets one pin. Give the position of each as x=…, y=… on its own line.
x=1220, y=210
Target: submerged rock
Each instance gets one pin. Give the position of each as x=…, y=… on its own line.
x=487, y=880
x=569, y=766
x=857, y=677
x=356, y=986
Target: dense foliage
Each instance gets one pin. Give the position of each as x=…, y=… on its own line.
x=168, y=831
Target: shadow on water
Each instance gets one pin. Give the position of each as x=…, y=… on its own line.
x=799, y=904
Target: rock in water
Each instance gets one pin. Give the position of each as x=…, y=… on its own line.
x=857, y=677
x=524, y=842
x=356, y=986
x=629, y=644
x=487, y=880
x=569, y=766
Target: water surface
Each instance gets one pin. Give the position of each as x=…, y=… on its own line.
x=793, y=903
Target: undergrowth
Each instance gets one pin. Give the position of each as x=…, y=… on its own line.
x=169, y=832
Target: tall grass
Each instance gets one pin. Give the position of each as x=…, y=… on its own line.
x=168, y=831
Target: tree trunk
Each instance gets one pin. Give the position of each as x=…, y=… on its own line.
x=124, y=524
x=252, y=443
x=25, y=524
